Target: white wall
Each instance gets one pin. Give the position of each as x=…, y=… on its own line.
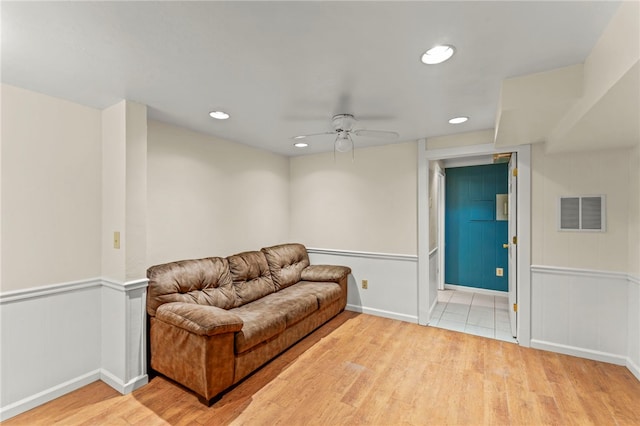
x=50, y=344
x=58, y=328
x=435, y=168
x=51, y=190
x=51, y=218
x=367, y=205
x=209, y=197
x=585, y=290
x=364, y=213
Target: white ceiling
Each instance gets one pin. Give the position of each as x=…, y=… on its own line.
x=285, y=68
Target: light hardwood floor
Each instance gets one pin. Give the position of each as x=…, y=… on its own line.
x=360, y=369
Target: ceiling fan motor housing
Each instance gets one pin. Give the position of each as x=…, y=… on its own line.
x=343, y=122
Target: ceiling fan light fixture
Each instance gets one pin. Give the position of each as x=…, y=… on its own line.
x=458, y=120
x=219, y=115
x=438, y=54
x=343, y=143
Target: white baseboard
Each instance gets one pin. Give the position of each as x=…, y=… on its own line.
x=635, y=369
x=77, y=340
x=604, y=310
x=47, y=395
x=579, y=352
x=385, y=314
x=392, y=290
x=119, y=385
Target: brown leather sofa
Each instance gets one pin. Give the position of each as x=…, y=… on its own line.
x=214, y=321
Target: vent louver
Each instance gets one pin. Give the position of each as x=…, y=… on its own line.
x=584, y=213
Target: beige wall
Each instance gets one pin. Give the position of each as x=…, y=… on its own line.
x=367, y=205
x=124, y=191
x=208, y=197
x=586, y=173
x=634, y=212
x=51, y=190
x=113, y=190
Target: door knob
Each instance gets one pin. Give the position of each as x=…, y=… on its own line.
x=505, y=245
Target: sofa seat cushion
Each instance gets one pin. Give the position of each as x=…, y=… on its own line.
x=325, y=292
x=271, y=315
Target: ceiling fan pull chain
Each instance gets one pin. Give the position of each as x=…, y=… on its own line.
x=353, y=150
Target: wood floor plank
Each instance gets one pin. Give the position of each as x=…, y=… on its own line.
x=360, y=369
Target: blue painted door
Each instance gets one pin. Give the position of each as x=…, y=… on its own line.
x=473, y=237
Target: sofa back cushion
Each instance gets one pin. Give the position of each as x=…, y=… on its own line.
x=251, y=276
x=202, y=281
x=286, y=262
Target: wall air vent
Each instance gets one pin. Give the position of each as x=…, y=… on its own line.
x=581, y=213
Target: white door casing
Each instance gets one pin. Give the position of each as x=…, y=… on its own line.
x=513, y=246
x=523, y=225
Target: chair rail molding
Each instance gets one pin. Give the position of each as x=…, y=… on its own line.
x=588, y=313
x=91, y=329
x=392, y=278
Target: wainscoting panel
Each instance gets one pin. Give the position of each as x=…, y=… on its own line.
x=581, y=312
x=58, y=338
x=633, y=351
x=50, y=343
x=123, y=335
x=392, y=281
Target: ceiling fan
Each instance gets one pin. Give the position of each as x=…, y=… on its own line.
x=343, y=128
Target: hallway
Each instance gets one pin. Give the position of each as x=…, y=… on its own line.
x=473, y=313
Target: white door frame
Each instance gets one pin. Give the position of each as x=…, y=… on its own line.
x=513, y=247
x=426, y=290
x=441, y=224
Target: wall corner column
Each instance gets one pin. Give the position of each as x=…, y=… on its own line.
x=124, y=246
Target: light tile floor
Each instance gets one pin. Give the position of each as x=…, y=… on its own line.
x=473, y=313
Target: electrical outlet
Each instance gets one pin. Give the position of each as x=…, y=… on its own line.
x=499, y=272
x=365, y=284
x=116, y=240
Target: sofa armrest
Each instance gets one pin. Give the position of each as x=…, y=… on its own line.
x=199, y=319
x=325, y=273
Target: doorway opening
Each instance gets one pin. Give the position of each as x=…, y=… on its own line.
x=489, y=312
x=473, y=294
x=473, y=291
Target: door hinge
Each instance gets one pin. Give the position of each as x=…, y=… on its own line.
x=514, y=240
x=515, y=307
x=515, y=172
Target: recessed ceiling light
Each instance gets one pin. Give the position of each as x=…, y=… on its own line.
x=219, y=115
x=300, y=144
x=458, y=120
x=299, y=137
x=438, y=54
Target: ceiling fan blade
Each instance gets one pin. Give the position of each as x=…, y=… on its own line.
x=374, y=117
x=311, y=135
x=376, y=133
